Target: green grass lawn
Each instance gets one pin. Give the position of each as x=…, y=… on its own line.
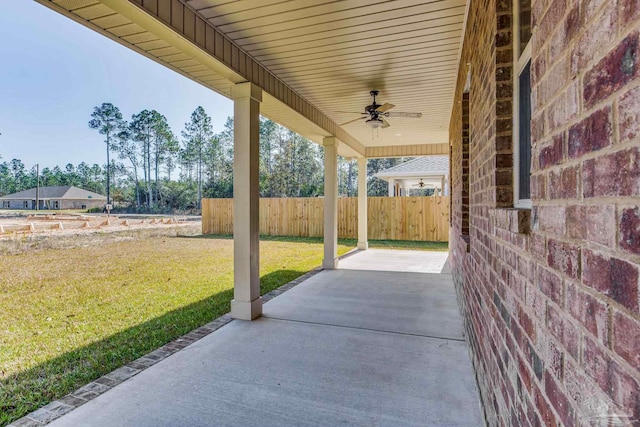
x=71, y=315
x=68, y=316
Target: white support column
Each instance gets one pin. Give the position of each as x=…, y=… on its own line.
x=392, y=186
x=363, y=243
x=330, y=261
x=247, y=303
x=442, y=186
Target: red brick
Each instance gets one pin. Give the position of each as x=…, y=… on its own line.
x=596, y=271
x=538, y=187
x=616, y=174
x=626, y=338
x=628, y=12
x=613, y=71
x=538, y=68
x=624, y=283
x=537, y=302
x=550, y=284
x=601, y=224
x=591, y=134
x=544, y=410
x=552, y=17
x=596, y=363
x=552, y=154
x=564, y=183
x=588, y=46
x=630, y=230
x=538, y=248
x=537, y=127
x=575, y=222
x=589, y=311
x=564, y=257
x=625, y=391
x=559, y=400
x=613, y=277
x=552, y=219
x=565, y=107
x=564, y=34
x=564, y=331
x=526, y=323
x=629, y=115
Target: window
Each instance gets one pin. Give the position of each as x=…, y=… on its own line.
x=26, y=204
x=522, y=103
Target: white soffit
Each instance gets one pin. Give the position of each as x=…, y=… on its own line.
x=334, y=52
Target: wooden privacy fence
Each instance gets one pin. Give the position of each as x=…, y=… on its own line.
x=389, y=218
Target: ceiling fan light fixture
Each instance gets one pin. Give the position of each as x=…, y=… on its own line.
x=375, y=123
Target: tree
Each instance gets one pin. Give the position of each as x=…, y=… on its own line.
x=197, y=134
x=106, y=119
x=162, y=140
x=141, y=127
x=127, y=149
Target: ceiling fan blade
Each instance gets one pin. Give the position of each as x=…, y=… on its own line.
x=350, y=112
x=385, y=124
x=351, y=121
x=406, y=115
x=384, y=107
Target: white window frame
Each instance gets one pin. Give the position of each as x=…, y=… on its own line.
x=520, y=61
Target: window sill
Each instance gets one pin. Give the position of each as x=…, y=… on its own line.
x=465, y=243
x=516, y=220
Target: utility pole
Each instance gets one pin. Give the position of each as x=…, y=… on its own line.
x=37, y=186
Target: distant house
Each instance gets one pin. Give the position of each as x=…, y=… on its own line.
x=420, y=173
x=59, y=197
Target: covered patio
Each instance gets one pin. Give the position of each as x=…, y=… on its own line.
x=308, y=66
x=383, y=345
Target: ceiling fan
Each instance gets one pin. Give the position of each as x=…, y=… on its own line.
x=422, y=184
x=374, y=114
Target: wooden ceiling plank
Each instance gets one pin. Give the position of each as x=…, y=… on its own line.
x=127, y=30
x=93, y=11
x=371, y=30
x=332, y=52
x=110, y=21
x=364, y=57
x=140, y=37
x=374, y=70
x=362, y=39
x=290, y=29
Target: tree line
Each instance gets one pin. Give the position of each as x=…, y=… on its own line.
x=150, y=168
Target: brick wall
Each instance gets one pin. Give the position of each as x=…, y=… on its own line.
x=550, y=295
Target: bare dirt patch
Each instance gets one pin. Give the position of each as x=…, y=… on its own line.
x=29, y=233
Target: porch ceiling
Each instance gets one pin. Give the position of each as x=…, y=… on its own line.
x=333, y=53
x=329, y=54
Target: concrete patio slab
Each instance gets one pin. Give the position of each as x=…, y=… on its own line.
x=360, y=362
x=408, y=303
x=395, y=260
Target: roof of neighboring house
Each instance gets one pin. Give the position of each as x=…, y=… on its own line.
x=420, y=166
x=66, y=192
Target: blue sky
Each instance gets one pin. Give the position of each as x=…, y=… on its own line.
x=55, y=71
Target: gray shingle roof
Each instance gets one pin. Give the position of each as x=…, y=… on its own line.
x=58, y=192
x=427, y=165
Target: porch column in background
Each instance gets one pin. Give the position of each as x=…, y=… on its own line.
x=247, y=303
x=392, y=186
x=362, y=203
x=442, y=182
x=330, y=261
